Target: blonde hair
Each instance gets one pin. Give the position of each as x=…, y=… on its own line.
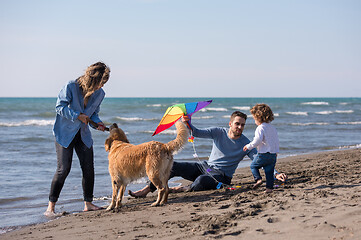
x=96, y=75
x=262, y=112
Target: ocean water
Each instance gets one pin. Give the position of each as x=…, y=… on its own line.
x=28, y=158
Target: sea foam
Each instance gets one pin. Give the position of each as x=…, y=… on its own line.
x=348, y=123
x=298, y=113
x=154, y=105
x=32, y=122
x=309, y=124
x=166, y=132
x=344, y=111
x=315, y=103
x=351, y=146
x=134, y=119
x=324, y=112
x=242, y=108
x=203, y=117
x=214, y=109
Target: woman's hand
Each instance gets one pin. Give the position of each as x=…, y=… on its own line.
x=83, y=118
x=101, y=127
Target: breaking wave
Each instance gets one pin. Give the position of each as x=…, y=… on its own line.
x=32, y=122
x=348, y=123
x=324, y=112
x=166, y=132
x=298, y=113
x=241, y=108
x=203, y=117
x=309, y=124
x=214, y=109
x=352, y=146
x=315, y=103
x=135, y=119
x=344, y=111
x=154, y=105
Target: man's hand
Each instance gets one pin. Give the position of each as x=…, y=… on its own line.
x=186, y=118
x=84, y=118
x=245, y=148
x=281, y=176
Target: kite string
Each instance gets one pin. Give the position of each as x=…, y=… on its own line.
x=201, y=166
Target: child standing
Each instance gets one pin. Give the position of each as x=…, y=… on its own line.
x=267, y=143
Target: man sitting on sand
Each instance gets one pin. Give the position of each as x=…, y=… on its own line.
x=227, y=152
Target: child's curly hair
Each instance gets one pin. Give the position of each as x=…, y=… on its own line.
x=96, y=75
x=262, y=112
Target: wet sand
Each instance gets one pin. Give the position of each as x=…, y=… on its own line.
x=320, y=200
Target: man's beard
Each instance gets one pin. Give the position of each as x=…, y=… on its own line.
x=237, y=133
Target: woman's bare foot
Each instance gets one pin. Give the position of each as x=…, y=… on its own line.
x=50, y=211
x=257, y=184
x=89, y=206
x=49, y=214
x=141, y=193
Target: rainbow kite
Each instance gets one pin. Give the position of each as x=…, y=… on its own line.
x=175, y=112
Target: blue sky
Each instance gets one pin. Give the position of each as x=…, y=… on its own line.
x=183, y=48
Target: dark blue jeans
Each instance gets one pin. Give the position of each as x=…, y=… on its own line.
x=65, y=157
x=268, y=162
x=199, y=174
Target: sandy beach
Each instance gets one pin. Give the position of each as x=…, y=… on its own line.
x=320, y=200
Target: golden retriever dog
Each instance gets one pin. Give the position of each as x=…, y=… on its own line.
x=128, y=162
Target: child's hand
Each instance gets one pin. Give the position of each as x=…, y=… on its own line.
x=281, y=176
x=245, y=148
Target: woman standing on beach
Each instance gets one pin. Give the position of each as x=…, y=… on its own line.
x=77, y=102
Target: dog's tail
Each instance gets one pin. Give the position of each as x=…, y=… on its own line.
x=182, y=136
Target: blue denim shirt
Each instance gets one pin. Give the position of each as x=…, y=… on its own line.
x=69, y=105
x=226, y=152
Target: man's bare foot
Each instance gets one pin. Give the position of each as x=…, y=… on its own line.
x=179, y=189
x=268, y=190
x=257, y=184
x=88, y=206
x=141, y=193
